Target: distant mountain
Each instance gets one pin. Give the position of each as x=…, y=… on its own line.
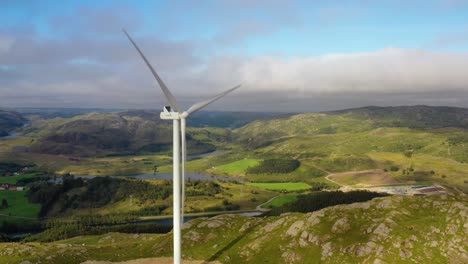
x=10, y=120
x=46, y=113
x=353, y=120
x=229, y=120
x=113, y=133
x=419, y=116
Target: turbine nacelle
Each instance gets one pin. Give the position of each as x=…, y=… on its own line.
x=167, y=114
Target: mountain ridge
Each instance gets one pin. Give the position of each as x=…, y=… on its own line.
x=10, y=120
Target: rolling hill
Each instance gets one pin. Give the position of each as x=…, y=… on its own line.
x=423, y=143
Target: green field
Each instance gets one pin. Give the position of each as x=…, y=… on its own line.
x=238, y=167
x=280, y=186
x=16, y=178
x=18, y=205
x=280, y=201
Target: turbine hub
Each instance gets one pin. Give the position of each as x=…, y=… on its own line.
x=184, y=114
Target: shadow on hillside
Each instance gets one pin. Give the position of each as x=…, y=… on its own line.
x=228, y=246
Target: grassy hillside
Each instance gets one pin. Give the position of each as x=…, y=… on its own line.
x=384, y=230
x=10, y=120
x=423, y=143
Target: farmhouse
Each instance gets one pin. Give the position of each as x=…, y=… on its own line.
x=6, y=186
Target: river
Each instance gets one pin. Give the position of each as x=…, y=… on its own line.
x=168, y=221
x=12, y=136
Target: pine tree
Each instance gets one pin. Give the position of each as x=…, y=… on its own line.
x=4, y=204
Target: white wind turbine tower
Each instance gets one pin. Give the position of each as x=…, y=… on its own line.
x=179, y=123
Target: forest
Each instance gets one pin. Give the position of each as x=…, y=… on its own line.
x=319, y=200
x=92, y=193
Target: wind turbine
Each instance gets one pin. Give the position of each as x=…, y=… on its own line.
x=179, y=123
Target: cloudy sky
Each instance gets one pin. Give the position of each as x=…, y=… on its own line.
x=289, y=55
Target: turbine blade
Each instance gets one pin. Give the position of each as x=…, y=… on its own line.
x=202, y=104
x=163, y=86
x=184, y=157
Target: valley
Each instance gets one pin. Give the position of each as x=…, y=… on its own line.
x=122, y=163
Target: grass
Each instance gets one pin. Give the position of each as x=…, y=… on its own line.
x=280, y=201
x=455, y=172
x=364, y=178
x=14, y=179
x=18, y=206
x=125, y=165
x=280, y=186
x=238, y=167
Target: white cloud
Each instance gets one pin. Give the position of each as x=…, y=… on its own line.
x=390, y=70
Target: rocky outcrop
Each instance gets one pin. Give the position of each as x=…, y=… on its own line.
x=383, y=230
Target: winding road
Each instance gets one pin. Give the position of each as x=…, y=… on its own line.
x=259, y=207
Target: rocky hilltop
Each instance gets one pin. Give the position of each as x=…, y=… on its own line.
x=394, y=229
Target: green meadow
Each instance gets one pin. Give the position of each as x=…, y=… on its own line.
x=19, y=210
x=280, y=186
x=280, y=201
x=14, y=179
x=238, y=167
